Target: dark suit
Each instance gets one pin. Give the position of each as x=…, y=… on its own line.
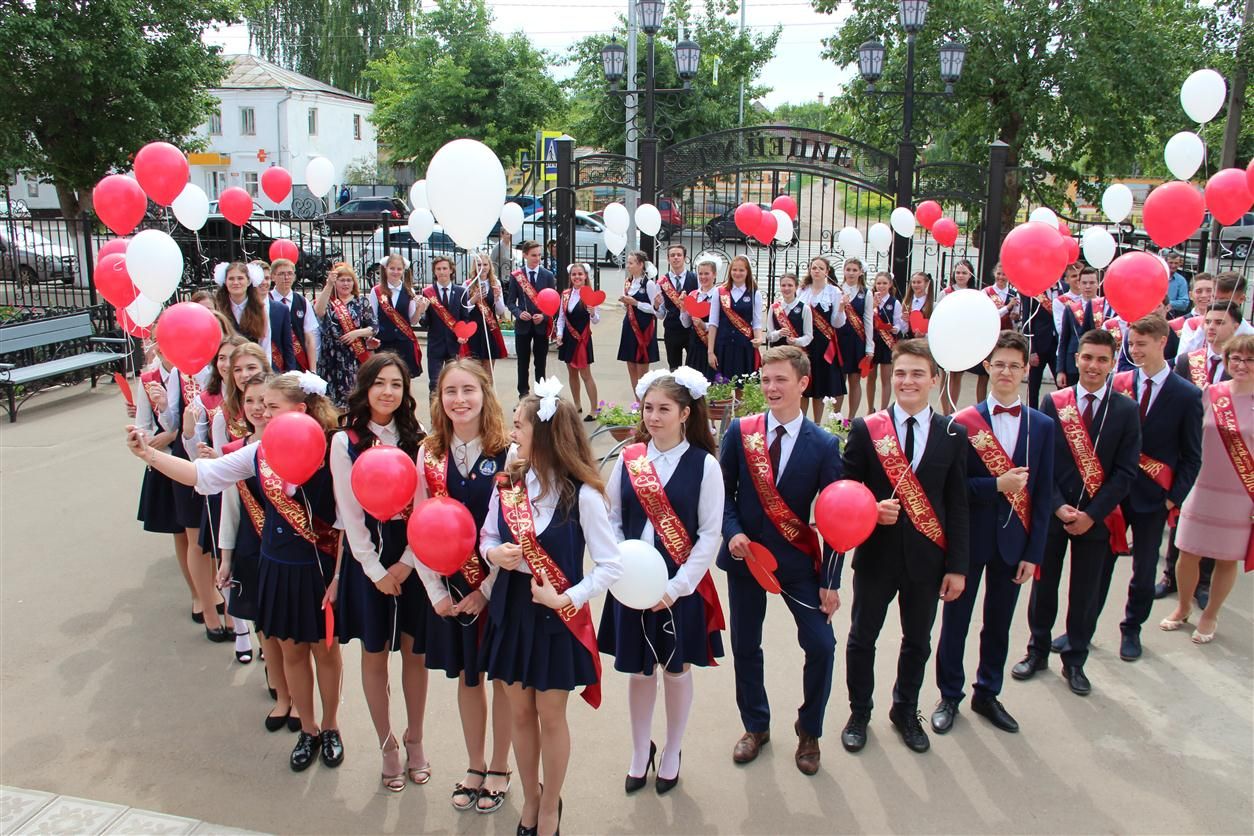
x=531, y=339
x=281, y=336
x=897, y=561
x=813, y=464
x=677, y=337
x=999, y=543
x=442, y=344
x=1118, y=430
x=1069, y=339
x=1038, y=327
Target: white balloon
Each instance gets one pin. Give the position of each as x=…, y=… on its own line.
x=155, y=264
x=902, y=222
x=880, y=237
x=1202, y=95
x=143, y=311
x=511, y=218
x=1045, y=215
x=466, y=188
x=963, y=329
x=319, y=176
x=644, y=578
x=617, y=219
x=421, y=223
x=850, y=242
x=783, y=226
x=418, y=195
x=1098, y=246
x=615, y=242
x=648, y=219
x=1117, y=202
x=1184, y=154
x=191, y=207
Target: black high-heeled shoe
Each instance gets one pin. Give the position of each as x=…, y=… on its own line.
x=293, y=723
x=219, y=635
x=273, y=723
x=244, y=657
x=665, y=785
x=634, y=784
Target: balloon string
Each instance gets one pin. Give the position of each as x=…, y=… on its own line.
x=396, y=599
x=669, y=629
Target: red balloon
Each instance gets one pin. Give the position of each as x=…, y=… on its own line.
x=188, y=336
x=1228, y=195
x=1135, y=284
x=747, y=216
x=276, y=182
x=591, y=296
x=113, y=245
x=927, y=213
x=1173, y=212
x=1064, y=230
x=786, y=204
x=162, y=171
x=125, y=323
x=295, y=446
x=236, y=205
x=1033, y=256
x=283, y=248
x=768, y=224
x=113, y=282
x=548, y=301
x=1249, y=176
x=945, y=231
x=1073, y=249
x=441, y=533
x=846, y=514
x=119, y=202
x=383, y=480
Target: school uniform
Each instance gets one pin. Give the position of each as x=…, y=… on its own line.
x=853, y=347
x=917, y=303
x=239, y=530
x=276, y=342
x=156, y=493
x=531, y=339
x=207, y=408
x=735, y=352
x=889, y=312
x=442, y=344
x=304, y=324
x=574, y=329
x=638, y=344
x=389, y=333
x=1072, y=329
x=698, y=339
x=188, y=507
x=676, y=334
x=827, y=362
x=487, y=343
x=799, y=315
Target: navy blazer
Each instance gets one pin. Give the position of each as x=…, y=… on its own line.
x=1171, y=433
x=1181, y=367
x=441, y=341
x=942, y=472
x=1118, y=428
x=281, y=335
x=1038, y=326
x=813, y=464
x=517, y=301
x=989, y=508
x=1069, y=340
x=687, y=285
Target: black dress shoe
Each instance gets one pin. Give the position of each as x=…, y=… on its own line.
x=304, y=752
x=332, y=748
x=1165, y=587
x=273, y=723
x=996, y=713
x=1130, y=647
x=853, y=738
x=665, y=785
x=1060, y=644
x=944, y=715
x=1029, y=665
x=527, y=831
x=1202, y=596
x=293, y=724
x=219, y=635
x=909, y=725
x=634, y=784
x=1078, y=682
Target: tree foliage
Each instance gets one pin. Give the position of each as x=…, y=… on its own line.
x=458, y=78
x=86, y=84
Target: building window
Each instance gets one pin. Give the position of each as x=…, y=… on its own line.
x=247, y=122
x=32, y=188
x=313, y=121
x=215, y=123
x=217, y=182
x=356, y=126
x=250, y=183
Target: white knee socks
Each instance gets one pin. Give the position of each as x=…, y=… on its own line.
x=678, y=688
x=641, y=696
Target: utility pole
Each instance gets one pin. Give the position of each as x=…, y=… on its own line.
x=741, y=120
x=1236, y=103
x=633, y=105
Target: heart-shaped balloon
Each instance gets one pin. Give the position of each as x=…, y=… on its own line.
x=696, y=308
x=591, y=296
x=465, y=330
x=762, y=564
x=918, y=323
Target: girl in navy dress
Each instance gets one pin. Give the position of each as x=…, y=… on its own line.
x=888, y=317
x=246, y=306
x=855, y=336
x=380, y=601
x=395, y=305
x=485, y=306
x=800, y=317
x=461, y=458
x=699, y=339
x=922, y=299
x=827, y=363
x=297, y=578
x=539, y=639
x=736, y=323
x=683, y=629
x=574, y=338
x=637, y=347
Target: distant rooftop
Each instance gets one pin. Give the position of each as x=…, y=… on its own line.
x=248, y=72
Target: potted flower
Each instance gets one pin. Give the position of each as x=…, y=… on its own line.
x=620, y=421
x=751, y=400
x=720, y=396
x=838, y=426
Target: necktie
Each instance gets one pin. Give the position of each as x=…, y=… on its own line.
x=444, y=296
x=1012, y=411
x=1145, y=397
x=285, y=301
x=1214, y=369
x=1087, y=416
x=777, y=449
x=910, y=422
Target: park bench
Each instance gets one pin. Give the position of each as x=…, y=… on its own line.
x=50, y=335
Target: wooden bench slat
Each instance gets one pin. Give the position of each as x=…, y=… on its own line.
x=25, y=335
x=63, y=365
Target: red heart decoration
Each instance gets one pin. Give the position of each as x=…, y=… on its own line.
x=466, y=330
x=918, y=322
x=864, y=366
x=762, y=565
x=696, y=308
x=591, y=297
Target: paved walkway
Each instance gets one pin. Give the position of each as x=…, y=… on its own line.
x=32, y=812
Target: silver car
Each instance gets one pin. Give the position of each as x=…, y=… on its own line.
x=28, y=257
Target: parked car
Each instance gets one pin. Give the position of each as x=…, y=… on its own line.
x=723, y=228
x=28, y=257
x=364, y=213
x=1234, y=240
x=672, y=218
x=400, y=241
x=589, y=235
x=530, y=203
x=221, y=240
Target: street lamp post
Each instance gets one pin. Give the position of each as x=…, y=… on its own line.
x=911, y=15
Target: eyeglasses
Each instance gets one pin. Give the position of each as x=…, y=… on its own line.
x=1006, y=367
x=1238, y=360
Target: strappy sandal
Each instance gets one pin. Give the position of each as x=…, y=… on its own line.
x=464, y=797
x=418, y=774
x=1198, y=637
x=495, y=798
x=393, y=777
x=1170, y=625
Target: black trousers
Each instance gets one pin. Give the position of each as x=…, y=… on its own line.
x=435, y=362
x=528, y=346
x=1036, y=374
x=1088, y=560
x=1001, y=594
x=916, y=603
x=676, y=339
x=1147, y=541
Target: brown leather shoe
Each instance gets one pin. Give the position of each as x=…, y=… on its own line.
x=748, y=746
x=807, y=756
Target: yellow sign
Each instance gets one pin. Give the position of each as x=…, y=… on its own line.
x=209, y=159
x=546, y=142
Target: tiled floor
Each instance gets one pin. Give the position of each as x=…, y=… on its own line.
x=33, y=812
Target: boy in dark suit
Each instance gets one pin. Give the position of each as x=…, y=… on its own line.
x=676, y=284
x=913, y=461
x=445, y=308
x=1096, y=444
x=531, y=327
x=774, y=465
x=1010, y=474
x=1079, y=316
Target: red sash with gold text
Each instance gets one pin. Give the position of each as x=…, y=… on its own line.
x=489, y=321
x=796, y=531
x=435, y=471
x=433, y=299
x=1197, y=368
x=529, y=289
x=782, y=320
x=672, y=295
x=323, y=537
x=824, y=326
x=1087, y=463
x=1159, y=472
x=855, y=320
x=1234, y=444
x=884, y=329
x=918, y=507
x=737, y=322
x=995, y=458
x=345, y=319
x=394, y=316
x=643, y=336
x=578, y=360
x=252, y=506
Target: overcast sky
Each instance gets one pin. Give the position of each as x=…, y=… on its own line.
x=796, y=74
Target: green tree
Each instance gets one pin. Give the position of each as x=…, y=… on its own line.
x=815, y=115
x=458, y=78
x=330, y=40
x=87, y=84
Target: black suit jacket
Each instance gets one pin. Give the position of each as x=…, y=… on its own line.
x=517, y=301
x=1069, y=338
x=281, y=335
x=943, y=474
x=1171, y=433
x=687, y=284
x=441, y=341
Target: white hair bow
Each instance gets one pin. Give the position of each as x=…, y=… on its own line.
x=547, y=391
x=255, y=274
x=309, y=383
x=685, y=376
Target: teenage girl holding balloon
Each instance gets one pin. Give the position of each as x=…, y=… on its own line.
x=637, y=345
x=574, y=338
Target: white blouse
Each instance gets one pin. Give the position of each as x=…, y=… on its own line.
x=394, y=291
x=650, y=289
x=737, y=293
x=237, y=312
x=829, y=299
x=807, y=323
x=574, y=300
x=709, y=534
x=166, y=421
x=898, y=322
x=350, y=517
x=216, y=475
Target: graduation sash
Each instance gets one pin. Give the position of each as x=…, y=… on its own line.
x=1234, y=443
x=402, y=324
x=673, y=295
x=1087, y=463
x=321, y=535
x=995, y=458
x=782, y=320
x=578, y=360
x=252, y=506
x=737, y=322
x=298, y=343
x=190, y=387
x=897, y=468
x=854, y=319
x=529, y=290
x=1159, y=472
x=796, y=531
x=517, y=513
x=492, y=326
x=668, y=528
x=358, y=346
x=1197, y=368
x=153, y=386
x=824, y=326
x=884, y=329
x=435, y=471
x=236, y=426
x=463, y=350
x=643, y=336
x=700, y=327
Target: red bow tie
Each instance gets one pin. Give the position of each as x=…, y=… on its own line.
x=1009, y=410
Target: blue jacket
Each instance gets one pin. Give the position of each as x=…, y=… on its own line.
x=1178, y=293
x=281, y=336
x=1069, y=339
x=1171, y=433
x=517, y=300
x=441, y=341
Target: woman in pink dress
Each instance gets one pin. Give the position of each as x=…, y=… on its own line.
x=1216, y=518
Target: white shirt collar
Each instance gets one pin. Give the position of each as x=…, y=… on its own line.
x=238, y=309
x=1159, y=378
x=791, y=428
x=1081, y=392
x=675, y=452
x=385, y=432
x=923, y=416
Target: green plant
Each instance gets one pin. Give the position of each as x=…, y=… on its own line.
x=752, y=400
x=612, y=415
x=721, y=389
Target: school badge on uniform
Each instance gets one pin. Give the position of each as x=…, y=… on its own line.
x=487, y=467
